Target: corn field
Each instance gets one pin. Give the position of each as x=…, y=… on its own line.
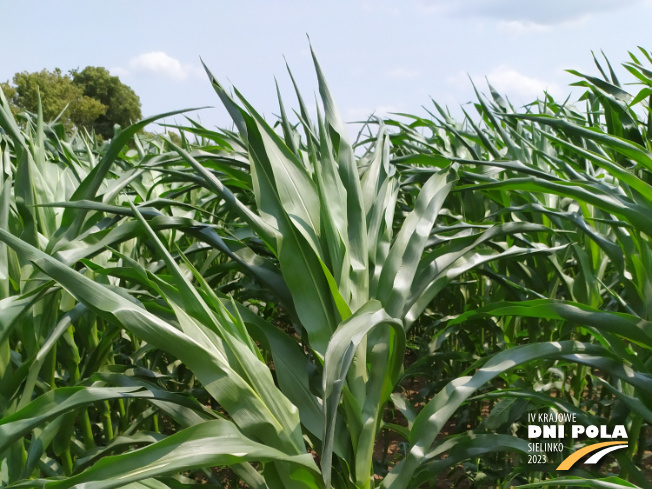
x=276, y=306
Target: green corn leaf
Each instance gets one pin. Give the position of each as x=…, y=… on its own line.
x=213, y=443
x=337, y=362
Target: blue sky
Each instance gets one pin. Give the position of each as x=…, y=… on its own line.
x=378, y=56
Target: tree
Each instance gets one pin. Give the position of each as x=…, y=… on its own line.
x=91, y=98
x=123, y=105
x=57, y=93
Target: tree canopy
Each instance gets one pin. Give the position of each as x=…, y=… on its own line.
x=90, y=98
x=122, y=103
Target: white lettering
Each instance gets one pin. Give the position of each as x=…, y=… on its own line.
x=577, y=429
x=619, y=431
x=533, y=431
x=550, y=431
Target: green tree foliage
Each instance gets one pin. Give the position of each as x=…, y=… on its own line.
x=123, y=105
x=57, y=92
x=91, y=98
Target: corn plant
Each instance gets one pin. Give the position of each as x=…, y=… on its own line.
x=588, y=175
x=245, y=300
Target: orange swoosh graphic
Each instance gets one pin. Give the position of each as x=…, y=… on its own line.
x=574, y=457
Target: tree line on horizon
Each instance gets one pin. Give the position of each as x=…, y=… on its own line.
x=90, y=99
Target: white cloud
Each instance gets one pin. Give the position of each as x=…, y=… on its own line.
x=158, y=63
x=519, y=86
x=516, y=86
